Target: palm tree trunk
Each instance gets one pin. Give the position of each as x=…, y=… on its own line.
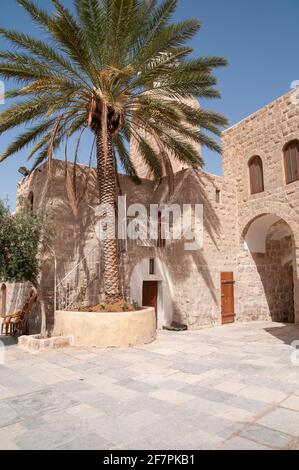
x=107, y=187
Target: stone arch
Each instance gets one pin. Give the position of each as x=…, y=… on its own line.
x=141, y=274
x=291, y=217
x=270, y=263
x=3, y=300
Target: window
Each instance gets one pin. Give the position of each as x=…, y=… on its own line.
x=31, y=200
x=291, y=161
x=151, y=266
x=218, y=196
x=256, y=175
x=161, y=239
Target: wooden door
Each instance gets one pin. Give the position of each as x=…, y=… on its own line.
x=227, y=298
x=150, y=295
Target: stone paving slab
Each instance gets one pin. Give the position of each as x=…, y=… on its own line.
x=231, y=387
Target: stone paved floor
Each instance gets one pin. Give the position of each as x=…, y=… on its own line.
x=232, y=387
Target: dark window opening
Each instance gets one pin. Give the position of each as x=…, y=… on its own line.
x=291, y=161
x=152, y=266
x=31, y=200
x=256, y=175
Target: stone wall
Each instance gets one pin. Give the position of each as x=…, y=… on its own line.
x=189, y=282
x=264, y=133
x=194, y=277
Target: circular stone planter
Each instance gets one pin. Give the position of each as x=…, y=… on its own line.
x=107, y=330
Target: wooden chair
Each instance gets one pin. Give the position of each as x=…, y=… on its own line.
x=17, y=322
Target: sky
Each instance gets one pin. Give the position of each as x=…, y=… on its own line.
x=258, y=37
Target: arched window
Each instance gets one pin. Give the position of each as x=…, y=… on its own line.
x=3, y=301
x=291, y=161
x=256, y=175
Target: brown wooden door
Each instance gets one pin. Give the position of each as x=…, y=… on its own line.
x=227, y=298
x=150, y=294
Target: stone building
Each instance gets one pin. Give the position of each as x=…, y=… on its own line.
x=247, y=267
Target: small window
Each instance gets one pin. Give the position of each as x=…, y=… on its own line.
x=161, y=239
x=256, y=175
x=31, y=200
x=151, y=266
x=218, y=196
x=291, y=161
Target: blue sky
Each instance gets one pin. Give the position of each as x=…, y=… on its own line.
x=259, y=37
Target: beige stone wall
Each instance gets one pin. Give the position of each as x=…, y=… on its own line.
x=264, y=133
x=194, y=276
x=264, y=282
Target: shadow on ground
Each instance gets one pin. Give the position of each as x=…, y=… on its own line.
x=287, y=332
x=8, y=340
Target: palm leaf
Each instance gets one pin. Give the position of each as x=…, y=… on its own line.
x=111, y=57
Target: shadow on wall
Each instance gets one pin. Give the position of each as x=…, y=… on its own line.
x=194, y=187
x=74, y=236
x=198, y=188
x=193, y=290
x=203, y=296
x=273, y=258
x=278, y=287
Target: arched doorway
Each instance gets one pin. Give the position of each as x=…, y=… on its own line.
x=269, y=269
x=3, y=301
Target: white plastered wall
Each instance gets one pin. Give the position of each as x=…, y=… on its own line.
x=165, y=288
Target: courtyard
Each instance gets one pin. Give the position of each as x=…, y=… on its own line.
x=231, y=387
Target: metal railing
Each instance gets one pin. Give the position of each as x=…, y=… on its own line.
x=72, y=290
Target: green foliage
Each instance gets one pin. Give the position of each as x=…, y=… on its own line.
x=23, y=236
x=127, y=54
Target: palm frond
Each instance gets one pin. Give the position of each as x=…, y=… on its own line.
x=42, y=51
x=124, y=157
x=125, y=57
x=27, y=138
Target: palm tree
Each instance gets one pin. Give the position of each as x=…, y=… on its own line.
x=120, y=68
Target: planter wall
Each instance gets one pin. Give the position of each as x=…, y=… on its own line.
x=104, y=330
x=36, y=343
